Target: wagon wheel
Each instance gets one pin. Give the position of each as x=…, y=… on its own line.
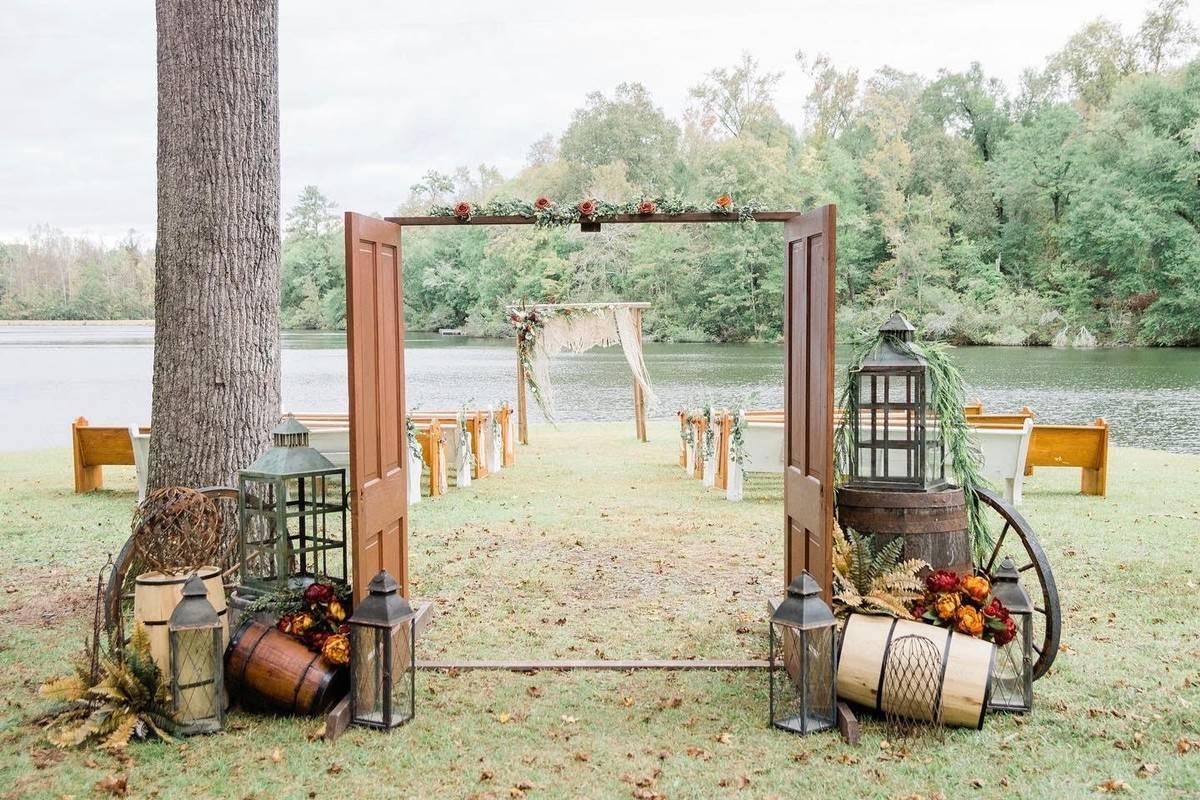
x=1014, y=537
x=118, y=593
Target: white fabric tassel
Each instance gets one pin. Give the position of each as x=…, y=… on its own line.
x=463, y=461
x=496, y=453
x=631, y=345
x=415, y=465
x=733, y=484
x=691, y=458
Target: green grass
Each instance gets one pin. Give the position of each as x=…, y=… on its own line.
x=595, y=545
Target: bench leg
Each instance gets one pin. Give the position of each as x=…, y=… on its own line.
x=87, y=478
x=1093, y=482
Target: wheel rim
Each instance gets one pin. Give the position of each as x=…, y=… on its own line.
x=1014, y=536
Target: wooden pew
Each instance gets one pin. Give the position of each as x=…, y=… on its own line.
x=95, y=447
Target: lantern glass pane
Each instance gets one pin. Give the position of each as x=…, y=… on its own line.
x=802, y=683
x=402, y=673
x=1012, y=675
x=195, y=664
x=367, y=674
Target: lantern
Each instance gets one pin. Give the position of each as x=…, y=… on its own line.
x=383, y=657
x=292, y=516
x=1012, y=675
x=899, y=441
x=803, y=661
x=197, y=654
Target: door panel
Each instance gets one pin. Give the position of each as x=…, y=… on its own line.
x=375, y=355
x=808, y=399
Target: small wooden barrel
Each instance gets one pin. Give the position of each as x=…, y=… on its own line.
x=155, y=595
x=933, y=524
x=267, y=669
x=963, y=687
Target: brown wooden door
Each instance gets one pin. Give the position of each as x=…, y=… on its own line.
x=808, y=400
x=378, y=444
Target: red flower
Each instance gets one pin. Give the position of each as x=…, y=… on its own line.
x=647, y=207
x=996, y=610
x=463, y=210
x=286, y=623
x=587, y=208
x=918, y=610
x=318, y=594
x=725, y=201
x=315, y=640
x=1007, y=635
x=942, y=581
x=542, y=203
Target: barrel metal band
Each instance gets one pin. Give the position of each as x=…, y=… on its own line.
x=883, y=667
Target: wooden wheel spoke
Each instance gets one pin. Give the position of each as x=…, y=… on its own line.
x=1027, y=567
x=996, y=551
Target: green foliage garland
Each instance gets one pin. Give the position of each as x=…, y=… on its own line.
x=946, y=403
x=552, y=214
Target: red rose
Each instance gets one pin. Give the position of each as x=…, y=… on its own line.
x=587, y=208
x=918, y=610
x=1007, y=635
x=647, y=207
x=942, y=581
x=724, y=201
x=344, y=629
x=318, y=594
x=542, y=203
x=996, y=610
x=286, y=623
x=463, y=210
x=315, y=640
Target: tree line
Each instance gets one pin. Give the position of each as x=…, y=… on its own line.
x=1066, y=205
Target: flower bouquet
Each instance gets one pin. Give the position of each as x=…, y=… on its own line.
x=965, y=604
x=320, y=623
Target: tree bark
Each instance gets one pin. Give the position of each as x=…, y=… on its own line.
x=216, y=293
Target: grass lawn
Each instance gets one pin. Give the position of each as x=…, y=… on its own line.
x=595, y=546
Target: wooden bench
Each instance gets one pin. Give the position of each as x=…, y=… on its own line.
x=96, y=447
x=1081, y=446
x=329, y=434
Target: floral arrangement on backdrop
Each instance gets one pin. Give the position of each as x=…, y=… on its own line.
x=547, y=213
x=315, y=615
x=965, y=603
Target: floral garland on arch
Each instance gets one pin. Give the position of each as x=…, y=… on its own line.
x=547, y=213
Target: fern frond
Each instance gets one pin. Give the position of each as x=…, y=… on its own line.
x=68, y=688
x=119, y=738
x=888, y=603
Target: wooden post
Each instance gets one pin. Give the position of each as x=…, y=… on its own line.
x=522, y=409
x=639, y=397
x=88, y=477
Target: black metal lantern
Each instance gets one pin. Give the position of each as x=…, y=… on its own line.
x=197, y=647
x=292, y=516
x=803, y=661
x=899, y=440
x=383, y=632
x=1012, y=674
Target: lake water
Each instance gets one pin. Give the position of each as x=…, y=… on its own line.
x=50, y=374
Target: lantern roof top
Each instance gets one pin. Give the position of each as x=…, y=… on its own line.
x=384, y=606
x=290, y=453
x=803, y=607
x=194, y=610
x=897, y=323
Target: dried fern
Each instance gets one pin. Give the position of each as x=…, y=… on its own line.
x=873, y=581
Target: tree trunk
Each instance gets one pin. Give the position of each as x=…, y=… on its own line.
x=216, y=292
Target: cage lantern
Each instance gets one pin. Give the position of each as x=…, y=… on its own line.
x=292, y=516
x=899, y=441
x=1012, y=676
x=803, y=661
x=197, y=655
x=383, y=663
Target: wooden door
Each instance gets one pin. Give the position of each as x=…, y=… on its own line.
x=378, y=443
x=808, y=400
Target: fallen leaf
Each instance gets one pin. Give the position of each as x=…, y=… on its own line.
x=486, y=775
x=503, y=718
x=1184, y=745
x=569, y=720
x=334, y=769
x=1113, y=785
x=534, y=691
x=1146, y=770
x=582, y=757
x=724, y=738
x=277, y=755
x=627, y=701
x=699, y=752
x=116, y=785
x=976, y=783
x=740, y=782
x=45, y=756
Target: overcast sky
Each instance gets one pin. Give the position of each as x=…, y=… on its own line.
x=373, y=94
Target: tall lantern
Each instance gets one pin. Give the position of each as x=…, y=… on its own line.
x=292, y=516
x=1012, y=676
x=383, y=660
x=803, y=661
x=899, y=441
x=197, y=648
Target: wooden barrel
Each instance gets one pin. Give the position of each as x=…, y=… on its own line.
x=963, y=686
x=933, y=524
x=155, y=595
x=267, y=669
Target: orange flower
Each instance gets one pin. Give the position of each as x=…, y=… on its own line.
x=647, y=207
x=337, y=649
x=542, y=203
x=977, y=587
x=970, y=621
x=463, y=210
x=945, y=605
x=725, y=201
x=336, y=612
x=301, y=622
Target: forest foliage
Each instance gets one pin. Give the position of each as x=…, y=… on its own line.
x=991, y=214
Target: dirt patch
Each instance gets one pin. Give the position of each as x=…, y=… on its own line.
x=49, y=597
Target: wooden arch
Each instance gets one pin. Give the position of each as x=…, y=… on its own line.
x=375, y=356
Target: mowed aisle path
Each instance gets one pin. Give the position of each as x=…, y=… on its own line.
x=597, y=546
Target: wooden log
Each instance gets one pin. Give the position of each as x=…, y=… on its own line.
x=933, y=524
x=847, y=723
